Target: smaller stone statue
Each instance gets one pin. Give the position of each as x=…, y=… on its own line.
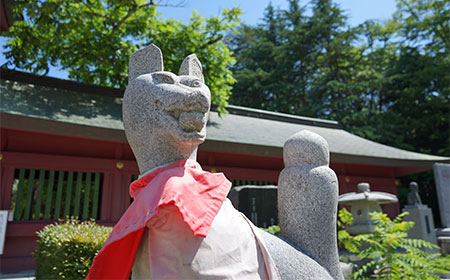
x=413, y=195
x=421, y=215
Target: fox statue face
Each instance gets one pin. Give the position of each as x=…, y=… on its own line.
x=163, y=112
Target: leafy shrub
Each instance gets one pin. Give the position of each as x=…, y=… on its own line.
x=272, y=229
x=388, y=253
x=345, y=218
x=66, y=250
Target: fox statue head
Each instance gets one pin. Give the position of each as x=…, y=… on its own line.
x=164, y=114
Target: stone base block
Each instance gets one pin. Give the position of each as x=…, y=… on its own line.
x=444, y=240
x=422, y=217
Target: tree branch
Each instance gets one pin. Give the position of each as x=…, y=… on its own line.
x=129, y=14
x=150, y=3
x=178, y=5
x=144, y=5
x=98, y=15
x=436, y=31
x=211, y=41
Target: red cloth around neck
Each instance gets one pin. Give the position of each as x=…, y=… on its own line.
x=197, y=194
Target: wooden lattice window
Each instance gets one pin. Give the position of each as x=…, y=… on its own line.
x=237, y=183
x=52, y=194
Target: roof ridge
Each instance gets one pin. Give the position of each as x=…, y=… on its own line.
x=269, y=115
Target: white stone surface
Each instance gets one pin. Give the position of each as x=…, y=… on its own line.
x=164, y=115
x=422, y=217
x=306, y=148
x=442, y=179
x=3, y=223
x=145, y=61
x=291, y=262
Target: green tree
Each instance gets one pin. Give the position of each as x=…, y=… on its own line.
x=385, y=81
x=299, y=64
x=93, y=40
x=419, y=90
x=409, y=87
x=259, y=60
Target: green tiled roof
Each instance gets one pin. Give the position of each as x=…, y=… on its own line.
x=249, y=130
x=60, y=105
x=241, y=126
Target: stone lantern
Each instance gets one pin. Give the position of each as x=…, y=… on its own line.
x=362, y=203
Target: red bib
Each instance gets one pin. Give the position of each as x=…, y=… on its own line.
x=197, y=194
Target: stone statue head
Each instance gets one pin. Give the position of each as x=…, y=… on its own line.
x=164, y=114
x=413, y=197
x=414, y=187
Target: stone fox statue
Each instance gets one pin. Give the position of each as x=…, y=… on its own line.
x=180, y=224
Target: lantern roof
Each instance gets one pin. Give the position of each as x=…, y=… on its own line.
x=365, y=196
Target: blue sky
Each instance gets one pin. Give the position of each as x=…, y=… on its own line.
x=357, y=11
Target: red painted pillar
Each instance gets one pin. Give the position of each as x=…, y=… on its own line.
x=115, y=198
x=6, y=181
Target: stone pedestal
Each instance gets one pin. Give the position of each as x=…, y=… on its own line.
x=422, y=217
x=444, y=240
x=442, y=179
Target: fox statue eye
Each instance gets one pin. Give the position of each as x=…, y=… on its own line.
x=191, y=83
x=163, y=78
x=196, y=83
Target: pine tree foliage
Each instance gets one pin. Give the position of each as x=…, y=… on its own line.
x=386, y=81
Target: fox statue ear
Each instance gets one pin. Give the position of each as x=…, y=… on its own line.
x=191, y=66
x=144, y=61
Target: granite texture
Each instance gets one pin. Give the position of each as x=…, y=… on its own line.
x=144, y=61
x=306, y=148
x=164, y=115
x=292, y=264
x=307, y=200
x=192, y=66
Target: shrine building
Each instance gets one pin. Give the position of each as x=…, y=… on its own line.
x=63, y=152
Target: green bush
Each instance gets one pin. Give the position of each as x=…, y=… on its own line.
x=388, y=253
x=66, y=250
x=272, y=229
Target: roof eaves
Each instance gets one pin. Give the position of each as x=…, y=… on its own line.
x=399, y=162
x=28, y=78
